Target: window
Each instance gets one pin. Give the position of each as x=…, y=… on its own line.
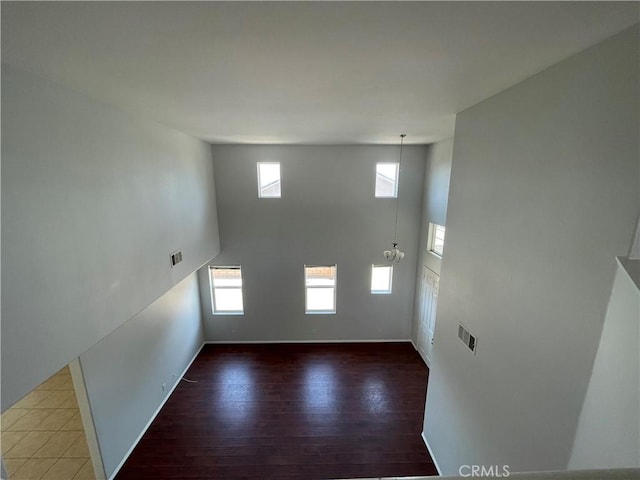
x=436, y=239
x=386, y=180
x=226, y=290
x=381, y=276
x=268, y=180
x=320, y=288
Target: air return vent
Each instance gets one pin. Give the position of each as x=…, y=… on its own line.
x=176, y=257
x=469, y=340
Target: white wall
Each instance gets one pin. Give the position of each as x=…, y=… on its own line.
x=634, y=252
x=93, y=203
x=544, y=194
x=434, y=210
x=124, y=372
x=327, y=214
x=608, y=434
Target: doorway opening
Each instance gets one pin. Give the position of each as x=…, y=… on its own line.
x=49, y=433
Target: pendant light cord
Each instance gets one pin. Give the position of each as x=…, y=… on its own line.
x=395, y=232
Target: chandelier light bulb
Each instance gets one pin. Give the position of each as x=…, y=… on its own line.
x=394, y=255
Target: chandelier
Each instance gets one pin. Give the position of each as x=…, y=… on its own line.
x=395, y=255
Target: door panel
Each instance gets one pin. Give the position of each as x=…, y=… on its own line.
x=428, y=304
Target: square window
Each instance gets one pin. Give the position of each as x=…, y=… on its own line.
x=381, y=277
x=269, y=180
x=226, y=290
x=386, y=180
x=320, y=288
x=436, y=239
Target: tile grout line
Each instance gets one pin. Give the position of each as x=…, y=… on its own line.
x=36, y=401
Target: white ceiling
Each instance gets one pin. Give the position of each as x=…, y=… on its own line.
x=301, y=72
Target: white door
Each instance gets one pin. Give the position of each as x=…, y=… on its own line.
x=428, y=303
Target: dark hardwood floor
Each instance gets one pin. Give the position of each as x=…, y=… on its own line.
x=285, y=411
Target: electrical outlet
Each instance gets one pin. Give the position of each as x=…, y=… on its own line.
x=164, y=387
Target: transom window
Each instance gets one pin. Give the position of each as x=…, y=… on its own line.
x=320, y=288
x=436, y=238
x=226, y=290
x=386, y=180
x=269, y=180
x=381, y=278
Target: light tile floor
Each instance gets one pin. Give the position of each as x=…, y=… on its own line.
x=42, y=434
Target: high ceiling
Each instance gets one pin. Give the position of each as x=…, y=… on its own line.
x=301, y=72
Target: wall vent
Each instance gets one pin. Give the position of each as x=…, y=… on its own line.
x=469, y=340
x=176, y=257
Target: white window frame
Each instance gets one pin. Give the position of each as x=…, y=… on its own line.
x=390, y=289
x=432, y=239
x=260, y=188
x=334, y=287
x=396, y=183
x=213, y=288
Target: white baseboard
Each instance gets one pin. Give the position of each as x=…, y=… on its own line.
x=239, y=342
x=424, y=359
x=435, y=462
x=155, y=414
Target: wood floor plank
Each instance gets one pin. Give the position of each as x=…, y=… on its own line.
x=285, y=411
